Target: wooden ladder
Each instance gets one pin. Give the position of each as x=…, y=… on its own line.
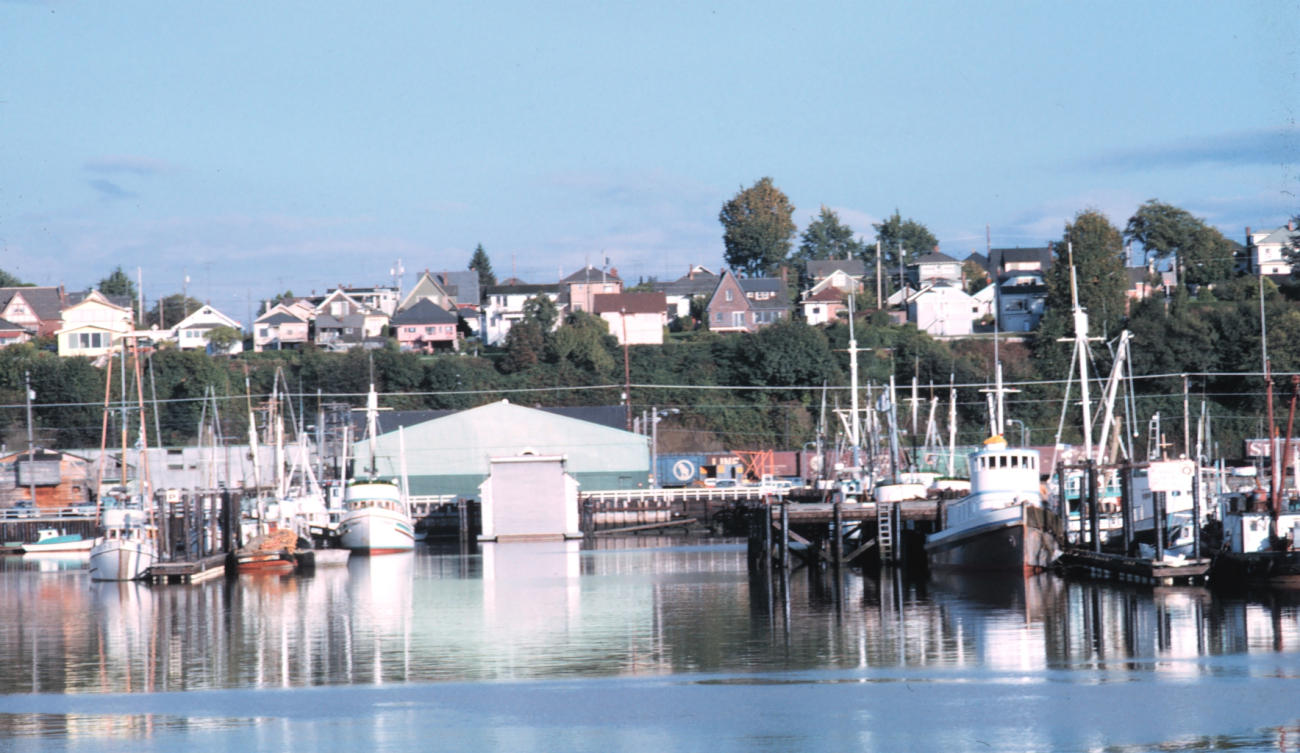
x=885, y=531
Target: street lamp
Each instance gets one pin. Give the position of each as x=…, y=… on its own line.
x=656, y=416
x=1024, y=432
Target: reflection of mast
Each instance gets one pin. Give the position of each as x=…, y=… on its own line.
x=372, y=428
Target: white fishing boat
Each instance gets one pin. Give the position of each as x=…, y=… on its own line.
x=375, y=519
x=128, y=548
x=51, y=540
x=1002, y=524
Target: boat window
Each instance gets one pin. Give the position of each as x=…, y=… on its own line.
x=1015, y=461
x=1003, y=461
x=982, y=463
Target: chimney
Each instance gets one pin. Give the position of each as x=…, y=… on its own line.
x=1290, y=225
x=690, y=272
x=613, y=272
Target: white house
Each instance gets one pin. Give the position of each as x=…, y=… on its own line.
x=933, y=267
x=640, y=317
x=192, y=331
x=1266, y=250
x=92, y=326
x=503, y=305
x=943, y=310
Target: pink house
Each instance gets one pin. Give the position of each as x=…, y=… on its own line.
x=426, y=327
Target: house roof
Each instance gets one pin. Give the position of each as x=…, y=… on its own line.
x=46, y=303
x=1136, y=275
x=463, y=286
x=589, y=273
x=826, y=294
x=8, y=326
x=698, y=281
x=1283, y=235
x=424, y=311
x=630, y=303
x=999, y=256
x=819, y=269
x=279, y=317
x=509, y=281
x=325, y=321
x=520, y=289
x=934, y=257
x=780, y=300
x=611, y=416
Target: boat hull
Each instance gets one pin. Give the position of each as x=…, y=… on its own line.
x=372, y=530
x=1021, y=538
x=72, y=546
x=279, y=561
x=121, y=559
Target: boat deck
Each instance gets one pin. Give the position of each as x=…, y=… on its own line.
x=1119, y=567
x=194, y=571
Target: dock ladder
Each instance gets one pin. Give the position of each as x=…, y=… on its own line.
x=885, y=530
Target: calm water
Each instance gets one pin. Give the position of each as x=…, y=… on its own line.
x=644, y=644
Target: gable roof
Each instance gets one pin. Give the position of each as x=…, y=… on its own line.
x=934, y=257
x=423, y=311
x=279, y=317
x=196, y=319
x=1000, y=256
x=521, y=289
x=630, y=303
x=822, y=268
x=775, y=285
x=461, y=285
x=698, y=281
x=1283, y=235
x=8, y=326
x=424, y=288
x=589, y=274
x=47, y=303
x=830, y=293
x=611, y=416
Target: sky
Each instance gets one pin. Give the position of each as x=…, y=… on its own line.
x=258, y=147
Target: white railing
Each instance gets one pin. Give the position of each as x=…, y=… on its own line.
x=684, y=494
x=47, y=513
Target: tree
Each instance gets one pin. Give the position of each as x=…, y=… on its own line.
x=909, y=237
x=118, y=283
x=757, y=228
x=542, y=311
x=1168, y=231
x=223, y=338
x=9, y=281
x=524, y=346
x=976, y=278
x=1094, y=249
x=825, y=238
x=173, y=308
x=480, y=263
x=1291, y=251
x=583, y=342
x=281, y=298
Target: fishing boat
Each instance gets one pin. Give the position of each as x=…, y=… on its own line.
x=51, y=540
x=128, y=548
x=272, y=552
x=1002, y=524
x=376, y=519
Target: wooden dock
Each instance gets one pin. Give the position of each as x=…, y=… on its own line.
x=792, y=535
x=195, y=571
x=1134, y=569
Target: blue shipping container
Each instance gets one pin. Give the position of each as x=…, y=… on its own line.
x=678, y=470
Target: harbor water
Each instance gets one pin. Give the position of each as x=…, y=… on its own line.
x=638, y=644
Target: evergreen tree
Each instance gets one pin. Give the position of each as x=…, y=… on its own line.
x=825, y=238
x=542, y=311
x=757, y=229
x=9, y=281
x=480, y=263
x=909, y=237
x=118, y=283
x=524, y=346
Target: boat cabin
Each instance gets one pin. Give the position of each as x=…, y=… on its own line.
x=998, y=469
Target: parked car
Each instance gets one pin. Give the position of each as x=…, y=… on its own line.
x=726, y=483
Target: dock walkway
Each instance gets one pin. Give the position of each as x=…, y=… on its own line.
x=1119, y=567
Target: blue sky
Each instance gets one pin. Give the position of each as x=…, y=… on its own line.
x=263, y=146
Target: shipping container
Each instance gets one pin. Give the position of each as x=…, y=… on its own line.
x=679, y=470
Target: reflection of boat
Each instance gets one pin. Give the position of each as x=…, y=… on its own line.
x=127, y=549
x=50, y=540
x=1002, y=524
x=376, y=520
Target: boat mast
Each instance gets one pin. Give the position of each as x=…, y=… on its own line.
x=952, y=424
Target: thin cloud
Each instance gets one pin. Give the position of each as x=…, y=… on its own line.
x=116, y=164
x=1262, y=147
x=110, y=191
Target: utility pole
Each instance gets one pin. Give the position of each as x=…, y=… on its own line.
x=880, y=286
x=31, y=439
x=627, y=372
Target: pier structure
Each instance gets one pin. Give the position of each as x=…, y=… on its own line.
x=197, y=531
x=838, y=534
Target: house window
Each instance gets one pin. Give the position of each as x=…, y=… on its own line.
x=609, y=288
x=428, y=330
x=738, y=318
x=91, y=340
x=728, y=295
x=264, y=332
x=719, y=317
x=337, y=308
x=410, y=330
x=817, y=309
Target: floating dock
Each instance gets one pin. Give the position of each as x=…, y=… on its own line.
x=1119, y=567
x=195, y=571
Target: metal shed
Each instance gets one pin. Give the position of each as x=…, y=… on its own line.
x=451, y=454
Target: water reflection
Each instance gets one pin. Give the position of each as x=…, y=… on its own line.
x=642, y=606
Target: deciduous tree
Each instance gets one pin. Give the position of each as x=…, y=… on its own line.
x=757, y=228
x=1164, y=230
x=899, y=236
x=542, y=311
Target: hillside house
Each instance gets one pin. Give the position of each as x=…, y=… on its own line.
x=380, y=298
x=698, y=281
x=191, y=333
x=92, y=326
x=747, y=305
x=1022, y=299
x=578, y=291
x=1266, y=250
x=824, y=306
x=343, y=312
x=634, y=318
x=943, y=310
x=426, y=327
x=37, y=310
x=280, y=329
x=428, y=288
x=932, y=268
x=846, y=275
x=503, y=306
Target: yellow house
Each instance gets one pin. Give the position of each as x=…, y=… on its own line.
x=91, y=327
